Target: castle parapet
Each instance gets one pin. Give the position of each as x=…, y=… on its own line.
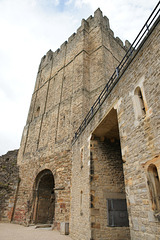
x=86, y=25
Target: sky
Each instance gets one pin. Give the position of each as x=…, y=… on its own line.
x=29, y=28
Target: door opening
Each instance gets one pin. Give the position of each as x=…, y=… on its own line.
x=44, y=198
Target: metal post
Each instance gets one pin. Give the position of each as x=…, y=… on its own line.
x=117, y=71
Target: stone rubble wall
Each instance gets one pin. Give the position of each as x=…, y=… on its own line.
x=9, y=180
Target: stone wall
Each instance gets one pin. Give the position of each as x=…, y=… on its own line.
x=80, y=194
x=139, y=140
x=61, y=173
x=68, y=81
x=107, y=182
x=9, y=180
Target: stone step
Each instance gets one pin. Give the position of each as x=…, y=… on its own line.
x=43, y=226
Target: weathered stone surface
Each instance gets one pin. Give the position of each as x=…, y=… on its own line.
x=117, y=155
x=67, y=83
x=140, y=148
x=8, y=184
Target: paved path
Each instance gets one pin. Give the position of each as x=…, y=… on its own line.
x=10, y=231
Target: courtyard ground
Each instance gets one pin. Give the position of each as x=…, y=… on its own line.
x=10, y=231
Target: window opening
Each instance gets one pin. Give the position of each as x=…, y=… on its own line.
x=82, y=157
x=139, y=102
x=81, y=212
x=37, y=111
x=154, y=187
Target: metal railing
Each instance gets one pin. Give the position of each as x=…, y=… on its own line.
x=120, y=69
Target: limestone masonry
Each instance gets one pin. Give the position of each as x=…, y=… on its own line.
x=102, y=182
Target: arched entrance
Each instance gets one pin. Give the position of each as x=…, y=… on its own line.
x=44, y=198
x=107, y=184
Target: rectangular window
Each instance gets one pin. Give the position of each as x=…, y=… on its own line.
x=82, y=156
x=117, y=213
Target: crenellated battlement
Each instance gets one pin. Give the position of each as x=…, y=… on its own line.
x=88, y=25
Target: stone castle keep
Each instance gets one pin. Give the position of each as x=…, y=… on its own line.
x=90, y=151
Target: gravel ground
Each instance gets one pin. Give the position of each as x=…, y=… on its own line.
x=10, y=231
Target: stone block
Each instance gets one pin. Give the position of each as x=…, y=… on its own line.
x=64, y=228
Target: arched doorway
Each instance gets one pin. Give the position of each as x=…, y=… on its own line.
x=44, y=199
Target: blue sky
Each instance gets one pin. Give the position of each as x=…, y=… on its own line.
x=29, y=28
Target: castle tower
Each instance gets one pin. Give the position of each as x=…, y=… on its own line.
x=68, y=82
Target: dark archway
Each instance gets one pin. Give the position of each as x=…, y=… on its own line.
x=44, y=198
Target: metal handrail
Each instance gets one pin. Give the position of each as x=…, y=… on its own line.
x=119, y=70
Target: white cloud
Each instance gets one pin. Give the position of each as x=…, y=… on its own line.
x=29, y=28
x=56, y=2
x=126, y=16
x=27, y=33
x=81, y=3
x=68, y=2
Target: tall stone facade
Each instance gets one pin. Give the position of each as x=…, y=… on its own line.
x=121, y=156
x=68, y=82
x=105, y=183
